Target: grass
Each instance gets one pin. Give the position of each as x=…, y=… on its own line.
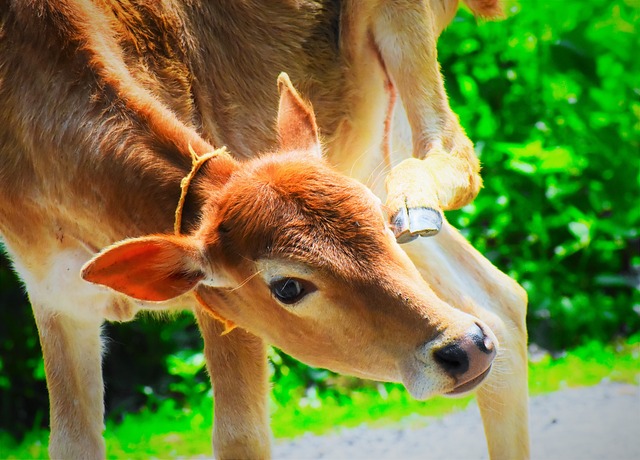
x=173, y=432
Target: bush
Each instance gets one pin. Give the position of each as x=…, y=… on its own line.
x=554, y=115
x=23, y=392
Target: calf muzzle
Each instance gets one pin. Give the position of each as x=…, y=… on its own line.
x=468, y=359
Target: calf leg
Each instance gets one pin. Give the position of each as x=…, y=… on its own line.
x=72, y=361
x=237, y=364
x=461, y=276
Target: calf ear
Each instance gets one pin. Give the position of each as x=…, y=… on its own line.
x=153, y=268
x=297, y=128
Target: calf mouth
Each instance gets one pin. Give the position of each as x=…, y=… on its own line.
x=469, y=385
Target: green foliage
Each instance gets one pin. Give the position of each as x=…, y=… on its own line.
x=23, y=391
x=551, y=98
x=587, y=365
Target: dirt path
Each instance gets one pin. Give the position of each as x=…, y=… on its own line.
x=601, y=422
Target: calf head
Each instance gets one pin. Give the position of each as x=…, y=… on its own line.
x=301, y=255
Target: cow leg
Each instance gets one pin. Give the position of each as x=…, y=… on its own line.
x=72, y=361
x=444, y=173
x=465, y=279
x=503, y=398
x=237, y=364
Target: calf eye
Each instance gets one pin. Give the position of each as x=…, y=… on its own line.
x=288, y=290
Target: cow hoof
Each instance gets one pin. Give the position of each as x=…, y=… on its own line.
x=410, y=223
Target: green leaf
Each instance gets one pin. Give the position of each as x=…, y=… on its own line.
x=468, y=87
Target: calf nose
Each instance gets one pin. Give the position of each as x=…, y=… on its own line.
x=467, y=357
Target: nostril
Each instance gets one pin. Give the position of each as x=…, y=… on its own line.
x=453, y=359
x=482, y=341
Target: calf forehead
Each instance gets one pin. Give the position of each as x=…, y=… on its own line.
x=309, y=214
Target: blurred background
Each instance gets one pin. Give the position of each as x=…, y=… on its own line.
x=551, y=98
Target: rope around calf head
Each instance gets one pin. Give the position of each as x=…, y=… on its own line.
x=196, y=162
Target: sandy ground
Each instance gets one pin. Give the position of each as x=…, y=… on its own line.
x=601, y=422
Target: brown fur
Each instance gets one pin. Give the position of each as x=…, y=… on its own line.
x=101, y=101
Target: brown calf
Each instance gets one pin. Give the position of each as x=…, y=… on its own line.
x=102, y=102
